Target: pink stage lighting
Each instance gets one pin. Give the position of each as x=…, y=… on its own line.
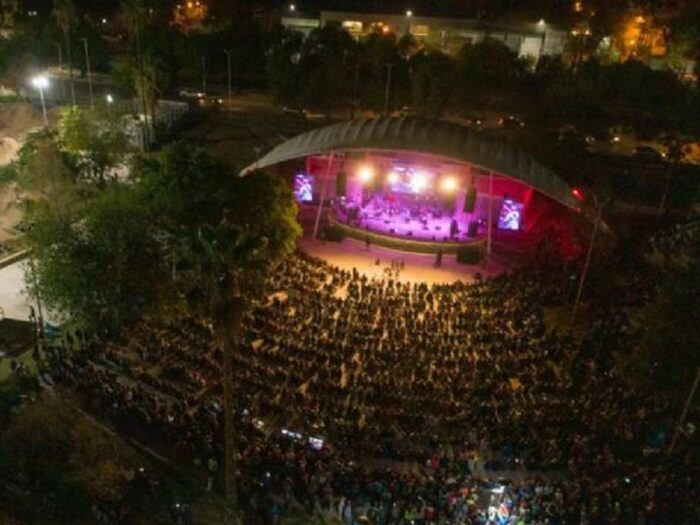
x=393, y=177
x=365, y=173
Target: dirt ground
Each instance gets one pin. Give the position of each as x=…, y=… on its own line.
x=17, y=120
x=11, y=211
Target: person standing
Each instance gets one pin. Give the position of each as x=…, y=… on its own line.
x=438, y=259
x=212, y=467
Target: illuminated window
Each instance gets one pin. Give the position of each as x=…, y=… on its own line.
x=352, y=26
x=420, y=30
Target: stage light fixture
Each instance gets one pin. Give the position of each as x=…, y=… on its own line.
x=448, y=184
x=366, y=173
x=419, y=181
x=393, y=177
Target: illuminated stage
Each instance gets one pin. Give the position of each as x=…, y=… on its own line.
x=413, y=203
x=421, y=185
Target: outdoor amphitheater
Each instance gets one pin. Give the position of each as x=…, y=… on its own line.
x=404, y=365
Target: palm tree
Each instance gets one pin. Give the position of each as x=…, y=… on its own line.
x=258, y=228
x=223, y=235
x=135, y=15
x=146, y=85
x=64, y=12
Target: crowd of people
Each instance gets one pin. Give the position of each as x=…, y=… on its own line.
x=389, y=402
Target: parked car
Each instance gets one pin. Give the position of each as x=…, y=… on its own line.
x=192, y=93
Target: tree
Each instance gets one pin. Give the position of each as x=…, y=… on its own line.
x=65, y=13
x=98, y=265
x=136, y=15
x=685, y=37
x=378, y=52
x=95, y=463
x=16, y=60
x=96, y=139
x=282, y=66
x=489, y=71
x=665, y=361
x=227, y=233
x=8, y=12
x=44, y=171
x=54, y=455
x=327, y=66
x=433, y=77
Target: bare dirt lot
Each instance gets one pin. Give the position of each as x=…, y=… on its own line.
x=17, y=120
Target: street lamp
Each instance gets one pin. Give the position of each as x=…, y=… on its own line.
x=110, y=99
x=292, y=7
x=542, y=26
x=40, y=82
x=89, y=73
x=409, y=13
x=228, y=65
x=387, y=88
x=599, y=204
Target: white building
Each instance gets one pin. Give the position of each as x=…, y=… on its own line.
x=448, y=34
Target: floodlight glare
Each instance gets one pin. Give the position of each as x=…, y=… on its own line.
x=366, y=173
x=40, y=82
x=449, y=184
x=419, y=181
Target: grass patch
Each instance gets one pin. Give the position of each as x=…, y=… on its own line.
x=25, y=358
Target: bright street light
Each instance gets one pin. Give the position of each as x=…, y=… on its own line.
x=292, y=7
x=541, y=23
x=40, y=82
x=110, y=98
x=409, y=13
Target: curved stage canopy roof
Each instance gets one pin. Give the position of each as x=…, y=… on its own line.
x=423, y=135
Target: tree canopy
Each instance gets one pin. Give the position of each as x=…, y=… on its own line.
x=180, y=225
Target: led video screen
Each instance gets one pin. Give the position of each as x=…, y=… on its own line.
x=511, y=215
x=303, y=188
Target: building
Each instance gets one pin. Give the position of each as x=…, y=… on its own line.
x=189, y=14
x=447, y=34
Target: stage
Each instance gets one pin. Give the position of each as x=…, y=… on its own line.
x=406, y=243
x=424, y=186
x=415, y=267
x=419, y=220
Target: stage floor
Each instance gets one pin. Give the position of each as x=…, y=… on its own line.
x=433, y=230
x=417, y=267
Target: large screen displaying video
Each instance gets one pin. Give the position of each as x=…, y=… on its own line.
x=303, y=188
x=409, y=180
x=511, y=215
